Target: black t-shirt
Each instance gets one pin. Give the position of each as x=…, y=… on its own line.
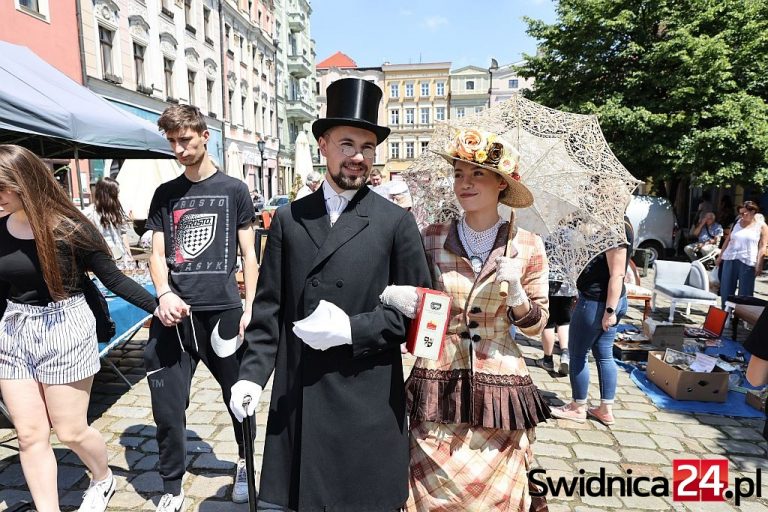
x=757, y=345
x=593, y=280
x=200, y=222
x=22, y=281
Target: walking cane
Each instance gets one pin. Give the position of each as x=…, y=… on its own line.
x=249, y=429
x=509, y=249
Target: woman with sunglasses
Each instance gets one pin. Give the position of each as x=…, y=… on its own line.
x=743, y=253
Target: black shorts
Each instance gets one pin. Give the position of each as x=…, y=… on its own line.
x=559, y=311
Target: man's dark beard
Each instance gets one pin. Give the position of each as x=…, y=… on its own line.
x=346, y=183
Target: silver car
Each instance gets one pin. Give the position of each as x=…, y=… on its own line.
x=655, y=225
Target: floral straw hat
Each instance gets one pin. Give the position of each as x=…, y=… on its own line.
x=489, y=151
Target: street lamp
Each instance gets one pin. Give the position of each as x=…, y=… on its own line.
x=260, y=144
x=494, y=67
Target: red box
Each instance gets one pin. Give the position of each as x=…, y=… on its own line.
x=427, y=331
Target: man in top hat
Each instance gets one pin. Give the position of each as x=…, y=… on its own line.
x=336, y=435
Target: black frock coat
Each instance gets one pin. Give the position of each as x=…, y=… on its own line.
x=336, y=435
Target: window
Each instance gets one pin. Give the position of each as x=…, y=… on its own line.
x=394, y=90
x=470, y=85
x=478, y=110
x=256, y=117
x=460, y=112
x=242, y=111
x=138, y=64
x=394, y=150
x=440, y=88
x=409, y=90
x=394, y=117
x=188, y=12
x=105, y=44
x=409, y=115
x=424, y=145
x=409, y=149
x=440, y=114
x=425, y=88
x=191, y=86
x=168, y=72
x=207, y=24
x=209, y=94
x=513, y=83
x=425, y=115
x=30, y=5
x=227, y=32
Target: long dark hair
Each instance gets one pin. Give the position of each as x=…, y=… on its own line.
x=56, y=223
x=107, y=203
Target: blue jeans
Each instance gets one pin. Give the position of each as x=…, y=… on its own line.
x=736, y=273
x=587, y=334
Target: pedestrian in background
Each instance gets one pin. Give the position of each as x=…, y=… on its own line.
x=601, y=303
x=48, y=345
x=110, y=219
x=743, y=253
x=473, y=411
x=311, y=183
x=198, y=222
x=561, y=296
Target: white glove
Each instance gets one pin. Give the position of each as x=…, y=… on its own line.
x=403, y=298
x=510, y=270
x=240, y=390
x=328, y=326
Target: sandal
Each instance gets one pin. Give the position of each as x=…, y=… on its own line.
x=566, y=413
x=593, y=412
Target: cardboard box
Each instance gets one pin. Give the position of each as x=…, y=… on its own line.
x=683, y=385
x=754, y=400
x=425, y=336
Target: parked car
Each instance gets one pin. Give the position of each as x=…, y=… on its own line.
x=655, y=225
x=276, y=202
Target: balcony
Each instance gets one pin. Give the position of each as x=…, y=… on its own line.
x=299, y=109
x=297, y=21
x=299, y=66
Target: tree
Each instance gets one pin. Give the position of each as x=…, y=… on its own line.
x=679, y=87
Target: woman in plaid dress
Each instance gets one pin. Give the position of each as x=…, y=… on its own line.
x=473, y=410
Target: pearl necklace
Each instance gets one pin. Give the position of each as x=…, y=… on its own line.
x=478, y=244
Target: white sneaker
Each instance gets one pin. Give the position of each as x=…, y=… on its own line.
x=170, y=503
x=97, y=495
x=240, y=489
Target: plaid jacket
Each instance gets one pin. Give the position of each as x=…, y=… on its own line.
x=481, y=376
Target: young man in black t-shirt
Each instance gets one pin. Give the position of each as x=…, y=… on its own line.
x=198, y=221
x=757, y=345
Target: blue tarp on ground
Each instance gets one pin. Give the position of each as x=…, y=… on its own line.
x=733, y=406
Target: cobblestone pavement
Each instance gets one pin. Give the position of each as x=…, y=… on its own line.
x=644, y=439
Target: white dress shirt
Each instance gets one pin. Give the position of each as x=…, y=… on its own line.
x=336, y=203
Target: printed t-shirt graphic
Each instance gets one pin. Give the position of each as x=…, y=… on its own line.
x=196, y=229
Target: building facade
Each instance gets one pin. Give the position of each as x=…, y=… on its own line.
x=144, y=55
x=296, y=82
x=250, y=92
x=506, y=82
x=416, y=96
x=49, y=28
x=335, y=68
x=469, y=91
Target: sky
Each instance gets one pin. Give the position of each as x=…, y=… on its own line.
x=465, y=32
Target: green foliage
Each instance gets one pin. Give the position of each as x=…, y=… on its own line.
x=680, y=86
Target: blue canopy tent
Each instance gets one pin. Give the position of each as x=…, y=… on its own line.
x=45, y=111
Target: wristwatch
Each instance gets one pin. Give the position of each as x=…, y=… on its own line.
x=610, y=310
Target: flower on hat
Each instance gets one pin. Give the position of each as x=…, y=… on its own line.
x=478, y=146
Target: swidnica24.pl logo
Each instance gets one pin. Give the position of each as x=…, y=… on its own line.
x=692, y=480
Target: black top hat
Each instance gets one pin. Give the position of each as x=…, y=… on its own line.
x=352, y=102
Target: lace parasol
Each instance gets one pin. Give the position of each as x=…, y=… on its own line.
x=580, y=188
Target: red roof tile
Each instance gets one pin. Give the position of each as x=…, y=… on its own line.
x=337, y=60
